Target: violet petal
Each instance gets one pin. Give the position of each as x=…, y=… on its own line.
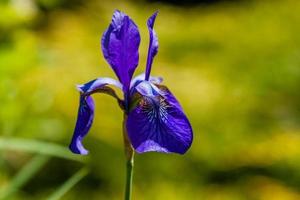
x=153, y=45
x=84, y=122
x=86, y=110
x=158, y=123
x=141, y=77
x=120, y=44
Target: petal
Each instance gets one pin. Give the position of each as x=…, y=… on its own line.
x=100, y=85
x=153, y=45
x=97, y=84
x=139, y=78
x=84, y=122
x=86, y=109
x=139, y=85
x=146, y=88
x=158, y=123
x=120, y=44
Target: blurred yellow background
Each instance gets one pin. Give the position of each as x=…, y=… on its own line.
x=234, y=66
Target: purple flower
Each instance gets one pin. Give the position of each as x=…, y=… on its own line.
x=155, y=120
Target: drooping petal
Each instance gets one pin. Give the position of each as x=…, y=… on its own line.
x=120, y=43
x=84, y=122
x=153, y=45
x=86, y=109
x=158, y=123
x=98, y=84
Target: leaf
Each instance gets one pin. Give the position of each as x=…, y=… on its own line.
x=24, y=175
x=35, y=146
x=63, y=189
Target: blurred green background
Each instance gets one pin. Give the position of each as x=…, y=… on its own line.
x=234, y=66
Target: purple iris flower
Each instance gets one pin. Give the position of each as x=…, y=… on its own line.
x=155, y=121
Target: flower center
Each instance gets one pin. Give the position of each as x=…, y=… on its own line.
x=155, y=108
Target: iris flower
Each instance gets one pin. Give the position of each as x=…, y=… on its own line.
x=153, y=118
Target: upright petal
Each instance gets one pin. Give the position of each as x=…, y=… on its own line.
x=120, y=43
x=86, y=109
x=158, y=123
x=153, y=45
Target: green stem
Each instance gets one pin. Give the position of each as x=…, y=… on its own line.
x=129, y=176
x=129, y=153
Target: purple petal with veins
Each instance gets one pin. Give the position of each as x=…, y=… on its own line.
x=158, y=123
